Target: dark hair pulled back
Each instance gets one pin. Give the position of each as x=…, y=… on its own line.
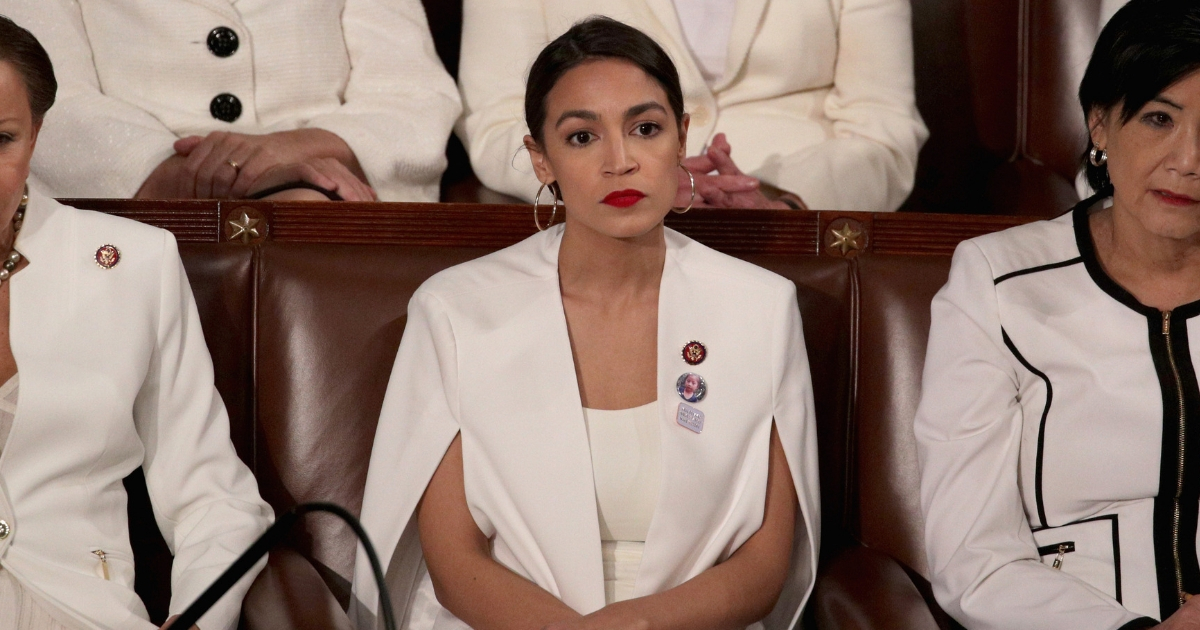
x=597, y=37
x=21, y=49
x=1146, y=47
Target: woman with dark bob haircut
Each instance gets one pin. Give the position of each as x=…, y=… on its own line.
x=607, y=425
x=103, y=370
x=1059, y=426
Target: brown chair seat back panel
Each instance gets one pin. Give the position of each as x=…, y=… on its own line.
x=895, y=293
x=329, y=322
x=825, y=289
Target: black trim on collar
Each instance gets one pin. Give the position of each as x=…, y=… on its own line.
x=1139, y=624
x=1021, y=272
x=1041, y=441
x=1087, y=251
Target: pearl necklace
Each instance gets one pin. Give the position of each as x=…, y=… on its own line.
x=14, y=257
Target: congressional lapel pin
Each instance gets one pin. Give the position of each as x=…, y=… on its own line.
x=690, y=418
x=108, y=256
x=694, y=353
x=691, y=387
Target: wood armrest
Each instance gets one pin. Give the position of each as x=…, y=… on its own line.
x=863, y=589
x=289, y=594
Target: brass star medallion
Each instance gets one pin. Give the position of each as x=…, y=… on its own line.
x=244, y=228
x=846, y=239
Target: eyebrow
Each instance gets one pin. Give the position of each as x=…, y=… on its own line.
x=1166, y=101
x=576, y=113
x=585, y=114
x=638, y=110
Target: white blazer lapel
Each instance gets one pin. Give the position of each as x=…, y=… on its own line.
x=531, y=465
x=746, y=22
x=703, y=490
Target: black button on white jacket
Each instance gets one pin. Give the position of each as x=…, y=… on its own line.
x=1055, y=413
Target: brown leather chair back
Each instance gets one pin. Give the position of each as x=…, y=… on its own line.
x=996, y=82
x=1061, y=35
x=893, y=331
x=329, y=322
x=825, y=289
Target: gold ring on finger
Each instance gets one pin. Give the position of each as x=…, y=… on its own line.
x=235, y=165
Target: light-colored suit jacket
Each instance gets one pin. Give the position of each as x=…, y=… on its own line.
x=817, y=96
x=135, y=75
x=486, y=353
x=114, y=374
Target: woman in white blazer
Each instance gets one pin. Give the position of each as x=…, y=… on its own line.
x=215, y=98
x=541, y=460
x=104, y=370
x=814, y=97
x=1060, y=463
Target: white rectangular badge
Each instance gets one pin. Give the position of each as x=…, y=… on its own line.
x=690, y=418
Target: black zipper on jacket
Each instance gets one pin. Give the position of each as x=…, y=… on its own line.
x=1177, y=505
x=1181, y=464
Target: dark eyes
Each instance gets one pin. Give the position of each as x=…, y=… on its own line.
x=1157, y=119
x=5, y=138
x=644, y=129
x=647, y=129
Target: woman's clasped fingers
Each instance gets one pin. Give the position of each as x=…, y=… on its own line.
x=214, y=164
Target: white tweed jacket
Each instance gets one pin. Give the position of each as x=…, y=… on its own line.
x=135, y=75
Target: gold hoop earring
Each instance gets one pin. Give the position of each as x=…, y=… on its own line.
x=692, y=201
x=553, y=212
x=1097, y=156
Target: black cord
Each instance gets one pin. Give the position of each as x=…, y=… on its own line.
x=269, y=539
x=262, y=194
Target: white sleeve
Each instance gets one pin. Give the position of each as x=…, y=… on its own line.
x=795, y=420
x=418, y=421
x=983, y=561
x=501, y=38
x=205, y=499
x=91, y=145
x=399, y=104
x=870, y=162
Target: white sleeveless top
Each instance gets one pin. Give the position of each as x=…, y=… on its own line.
x=627, y=467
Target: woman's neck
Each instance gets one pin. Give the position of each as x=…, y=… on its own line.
x=591, y=264
x=1159, y=271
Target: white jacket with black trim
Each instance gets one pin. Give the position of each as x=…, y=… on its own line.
x=1053, y=434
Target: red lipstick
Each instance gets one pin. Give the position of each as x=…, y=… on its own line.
x=624, y=198
x=1174, y=199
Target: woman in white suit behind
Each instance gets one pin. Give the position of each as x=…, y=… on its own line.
x=104, y=370
x=214, y=98
x=607, y=425
x=814, y=97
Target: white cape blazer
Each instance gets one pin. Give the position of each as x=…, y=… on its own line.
x=486, y=353
x=114, y=374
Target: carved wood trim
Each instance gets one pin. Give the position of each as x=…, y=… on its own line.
x=742, y=232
